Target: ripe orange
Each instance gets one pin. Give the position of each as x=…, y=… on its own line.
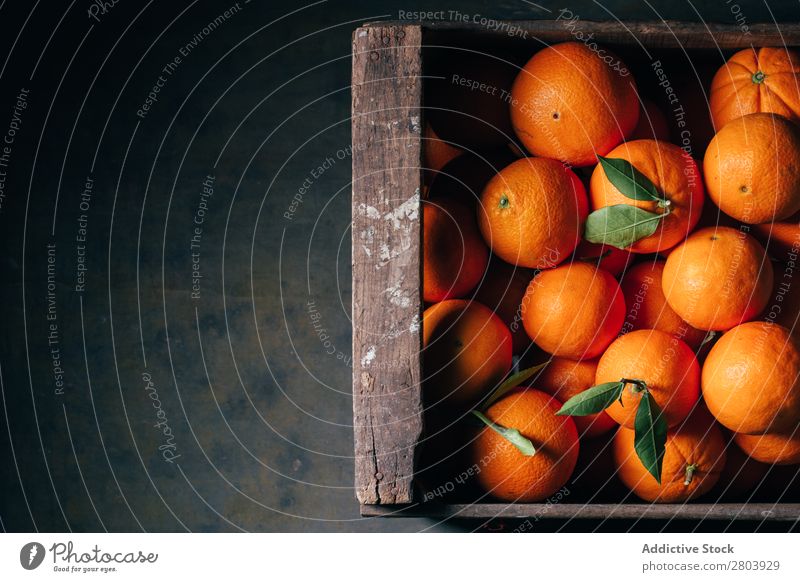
x=466, y=351
x=750, y=379
x=611, y=259
x=763, y=80
x=648, y=308
x=454, y=255
x=436, y=153
x=781, y=240
x=676, y=176
x=652, y=123
x=564, y=379
x=665, y=364
x=752, y=168
x=508, y=474
x=532, y=213
x=717, y=279
x=694, y=452
x=570, y=104
x=773, y=448
x=573, y=311
x=502, y=290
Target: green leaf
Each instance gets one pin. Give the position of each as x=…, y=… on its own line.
x=512, y=435
x=593, y=400
x=628, y=180
x=650, y=435
x=512, y=382
x=620, y=225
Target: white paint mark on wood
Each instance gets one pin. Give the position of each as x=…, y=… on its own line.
x=398, y=295
x=368, y=211
x=414, y=327
x=407, y=211
x=368, y=357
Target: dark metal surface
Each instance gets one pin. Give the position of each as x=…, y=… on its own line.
x=127, y=403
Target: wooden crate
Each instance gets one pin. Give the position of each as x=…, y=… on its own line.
x=387, y=122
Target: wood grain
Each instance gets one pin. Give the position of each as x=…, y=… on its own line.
x=386, y=238
x=386, y=254
x=716, y=511
x=664, y=34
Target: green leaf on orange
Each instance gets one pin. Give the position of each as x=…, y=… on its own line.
x=512, y=382
x=594, y=400
x=650, y=436
x=628, y=180
x=620, y=225
x=512, y=435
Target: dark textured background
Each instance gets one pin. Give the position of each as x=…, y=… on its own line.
x=254, y=387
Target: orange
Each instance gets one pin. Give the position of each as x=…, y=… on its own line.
x=466, y=96
x=674, y=174
x=466, y=351
x=564, y=379
x=717, y=279
x=750, y=379
x=752, y=168
x=774, y=448
x=508, y=474
x=648, y=308
x=454, y=254
x=532, y=213
x=694, y=456
x=665, y=364
x=436, y=153
x=763, y=80
x=570, y=104
x=611, y=259
x=502, y=290
x=780, y=239
x=652, y=123
x=573, y=311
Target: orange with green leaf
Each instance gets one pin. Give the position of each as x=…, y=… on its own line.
x=646, y=197
x=690, y=465
x=526, y=452
x=646, y=381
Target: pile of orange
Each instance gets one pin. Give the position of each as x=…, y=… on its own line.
x=590, y=257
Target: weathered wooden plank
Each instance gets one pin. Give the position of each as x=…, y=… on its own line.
x=661, y=34
x=386, y=238
x=713, y=511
